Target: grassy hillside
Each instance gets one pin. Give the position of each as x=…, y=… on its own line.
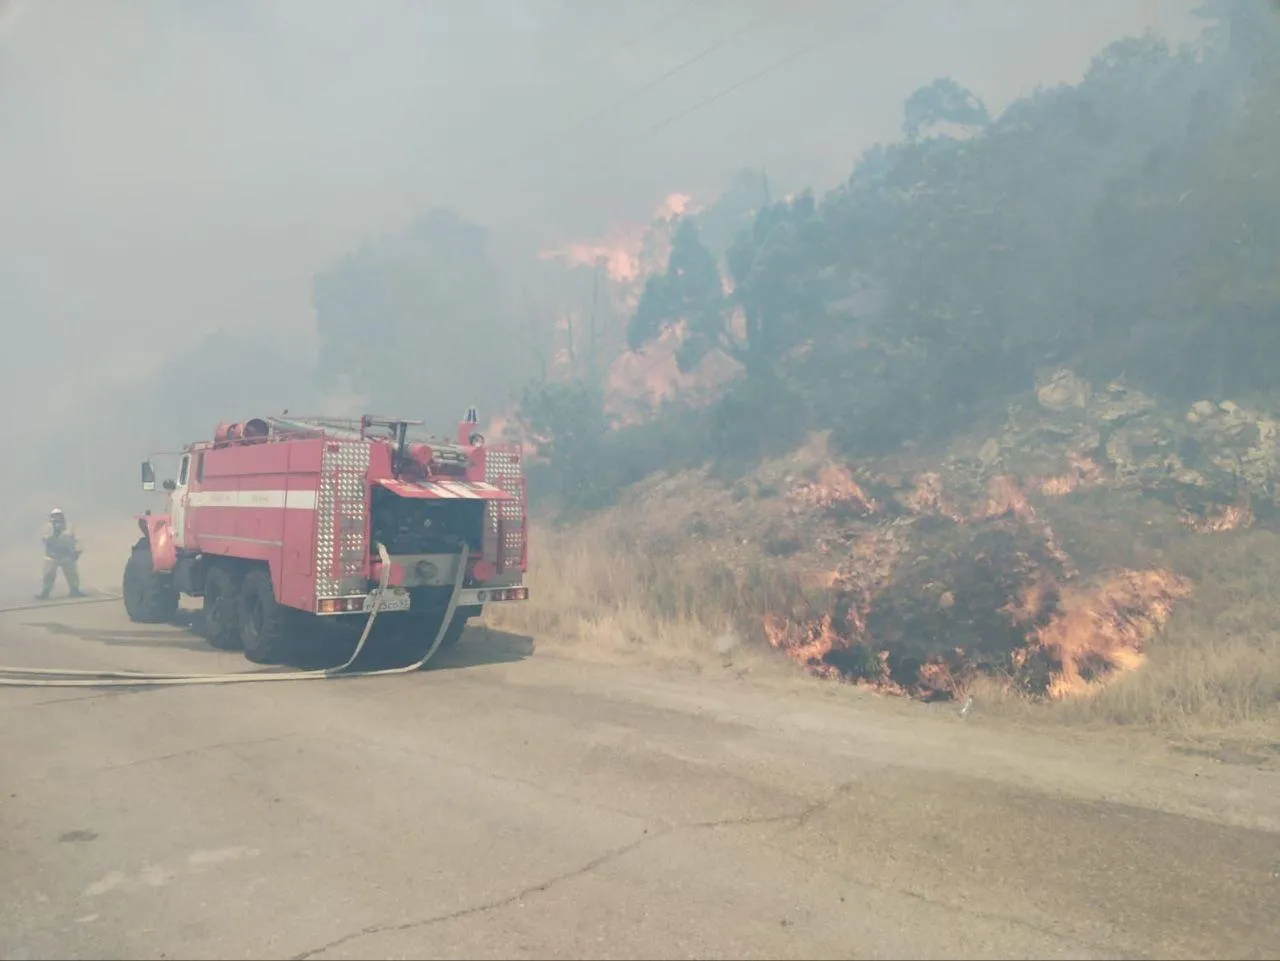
x=1006, y=417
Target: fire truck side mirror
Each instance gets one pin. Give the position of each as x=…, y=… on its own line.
x=148, y=476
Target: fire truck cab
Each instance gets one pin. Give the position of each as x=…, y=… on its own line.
x=280, y=523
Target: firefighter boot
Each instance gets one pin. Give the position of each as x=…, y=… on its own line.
x=71, y=571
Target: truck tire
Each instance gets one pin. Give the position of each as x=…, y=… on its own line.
x=457, y=626
x=222, y=610
x=265, y=624
x=149, y=598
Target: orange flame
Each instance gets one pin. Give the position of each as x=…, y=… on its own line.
x=1005, y=497
x=1093, y=637
x=834, y=487
x=927, y=497
x=1101, y=633
x=622, y=248
x=1075, y=638
x=808, y=643
x=638, y=381
x=1082, y=471
x=1218, y=519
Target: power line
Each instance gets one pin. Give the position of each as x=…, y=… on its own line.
x=683, y=65
x=502, y=164
x=659, y=27
x=829, y=35
x=706, y=102
x=726, y=91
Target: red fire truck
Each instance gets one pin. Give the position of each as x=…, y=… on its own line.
x=282, y=523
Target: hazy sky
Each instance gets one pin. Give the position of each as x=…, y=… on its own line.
x=169, y=167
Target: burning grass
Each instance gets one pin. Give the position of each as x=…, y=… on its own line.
x=992, y=608
x=1060, y=561
x=1092, y=636
x=834, y=487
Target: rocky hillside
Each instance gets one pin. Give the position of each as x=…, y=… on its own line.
x=1046, y=552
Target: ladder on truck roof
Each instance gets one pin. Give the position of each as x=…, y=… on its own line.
x=350, y=426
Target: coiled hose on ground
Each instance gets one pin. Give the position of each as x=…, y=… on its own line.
x=52, y=677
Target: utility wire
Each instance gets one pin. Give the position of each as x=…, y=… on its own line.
x=682, y=65
x=531, y=183
x=479, y=178
x=826, y=37
x=659, y=27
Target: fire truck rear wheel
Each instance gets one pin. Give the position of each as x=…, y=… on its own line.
x=221, y=610
x=265, y=625
x=457, y=626
x=149, y=598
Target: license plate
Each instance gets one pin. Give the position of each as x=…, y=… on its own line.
x=391, y=601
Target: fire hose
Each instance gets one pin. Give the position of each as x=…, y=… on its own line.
x=52, y=677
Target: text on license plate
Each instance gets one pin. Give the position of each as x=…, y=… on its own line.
x=391, y=601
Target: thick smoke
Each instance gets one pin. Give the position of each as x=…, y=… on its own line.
x=176, y=173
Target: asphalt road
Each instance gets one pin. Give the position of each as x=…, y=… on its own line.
x=504, y=805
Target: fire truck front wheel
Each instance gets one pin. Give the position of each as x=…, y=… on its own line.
x=149, y=598
x=265, y=625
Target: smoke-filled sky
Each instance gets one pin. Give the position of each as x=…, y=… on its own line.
x=171, y=167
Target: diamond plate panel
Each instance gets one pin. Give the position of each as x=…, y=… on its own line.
x=503, y=469
x=342, y=520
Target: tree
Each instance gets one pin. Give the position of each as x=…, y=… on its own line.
x=566, y=423
x=691, y=293
x=772, y=301
x=1123, y=226
x=733, y=210
x=776, y=268
x=943, y=101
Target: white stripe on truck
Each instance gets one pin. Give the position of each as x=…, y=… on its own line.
x=292, y=500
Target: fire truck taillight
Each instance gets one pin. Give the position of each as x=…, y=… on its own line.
x=503, y=594
x=339, y=605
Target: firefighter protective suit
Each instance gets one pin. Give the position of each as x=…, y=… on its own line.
x=61, y=552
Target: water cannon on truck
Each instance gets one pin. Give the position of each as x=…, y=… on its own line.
x=280, y=524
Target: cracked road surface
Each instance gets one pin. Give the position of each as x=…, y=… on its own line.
x=506, y=806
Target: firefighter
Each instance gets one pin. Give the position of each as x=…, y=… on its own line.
x=61, y=551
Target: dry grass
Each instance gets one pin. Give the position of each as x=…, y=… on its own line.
x=1212, y=675
x=1215, y=670
x=596, y=594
